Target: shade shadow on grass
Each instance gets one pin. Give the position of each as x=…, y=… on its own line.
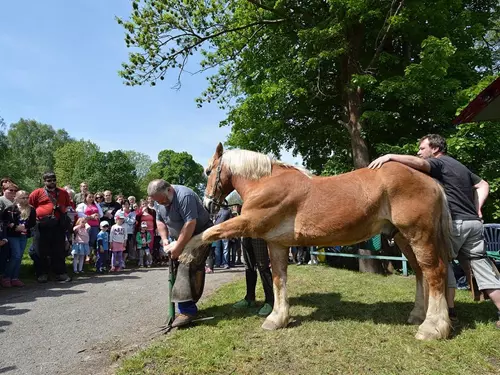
x=331, y=307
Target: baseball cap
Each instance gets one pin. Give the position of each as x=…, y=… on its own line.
x=144, y=224
x=104, y=224
x=120, y=215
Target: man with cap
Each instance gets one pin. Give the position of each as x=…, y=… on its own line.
x=181, y=215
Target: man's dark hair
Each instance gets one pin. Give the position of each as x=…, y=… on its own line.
x=436, y=141
x=48, y=175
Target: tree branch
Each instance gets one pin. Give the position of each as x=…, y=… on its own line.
x=198, y=41
x=382, y=41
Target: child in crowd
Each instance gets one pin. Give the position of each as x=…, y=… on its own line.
x=143, y=239
x=80, y=244
x=102, y=247
x=118, y=241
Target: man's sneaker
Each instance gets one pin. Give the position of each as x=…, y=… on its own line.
x=244, y=304
x=6, y=283
x=226, y=266
x=63, y=278
x=182, y=320
x=265, y=310
x=42, y=278
x=16, y=282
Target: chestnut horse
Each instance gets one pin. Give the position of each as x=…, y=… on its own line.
x=288, y=207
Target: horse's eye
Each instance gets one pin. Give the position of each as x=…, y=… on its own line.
x=207, y=172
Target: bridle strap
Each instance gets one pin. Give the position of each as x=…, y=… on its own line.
x=216, y=199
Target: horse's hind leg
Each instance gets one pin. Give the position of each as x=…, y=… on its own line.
x=437, y=323
x=281, y=310
x=417, y=315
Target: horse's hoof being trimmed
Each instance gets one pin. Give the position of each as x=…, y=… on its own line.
x=186, y=258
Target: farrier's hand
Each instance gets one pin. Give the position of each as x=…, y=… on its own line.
x=173, y=250
x=377, y=163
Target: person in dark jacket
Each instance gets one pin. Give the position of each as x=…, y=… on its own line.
x=19, y=220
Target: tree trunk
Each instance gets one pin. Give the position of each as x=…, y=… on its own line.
x=354, y=98
x=360, y=154
x=361, y=159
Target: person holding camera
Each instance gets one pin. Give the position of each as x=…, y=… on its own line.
x=50, y=203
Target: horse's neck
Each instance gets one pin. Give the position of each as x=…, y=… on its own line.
x=243, y=185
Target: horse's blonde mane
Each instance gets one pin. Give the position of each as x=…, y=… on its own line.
x=253, y=165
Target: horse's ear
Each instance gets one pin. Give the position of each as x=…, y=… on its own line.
x=219, y=150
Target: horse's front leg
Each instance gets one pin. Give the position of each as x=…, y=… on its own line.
x=280, y=316
x=235, y=227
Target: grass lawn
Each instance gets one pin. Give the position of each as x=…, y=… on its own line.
x=345, y=323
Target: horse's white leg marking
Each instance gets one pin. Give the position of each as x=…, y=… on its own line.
x=437, y=323
x=281, y=310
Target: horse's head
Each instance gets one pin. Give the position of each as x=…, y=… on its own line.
x=219, y=183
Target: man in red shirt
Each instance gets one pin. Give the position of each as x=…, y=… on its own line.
x=50, y=203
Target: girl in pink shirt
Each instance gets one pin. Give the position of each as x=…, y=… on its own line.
x=80, y=244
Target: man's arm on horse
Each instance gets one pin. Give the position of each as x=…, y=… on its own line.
x=409, y=160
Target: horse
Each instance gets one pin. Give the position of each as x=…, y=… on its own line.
x=287, y=206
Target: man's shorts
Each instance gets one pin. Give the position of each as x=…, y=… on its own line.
x=468, y=245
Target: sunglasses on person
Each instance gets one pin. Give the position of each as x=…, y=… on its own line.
x=97, y=197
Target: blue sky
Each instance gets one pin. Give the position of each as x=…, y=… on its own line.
x=58, y=65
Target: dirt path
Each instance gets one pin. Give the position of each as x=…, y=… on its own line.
x=84, y=326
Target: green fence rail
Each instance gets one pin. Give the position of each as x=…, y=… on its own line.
x=374, y=244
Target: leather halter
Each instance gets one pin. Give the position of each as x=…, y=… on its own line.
x=216, y=199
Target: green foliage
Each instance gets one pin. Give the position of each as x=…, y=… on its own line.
x=141, y=162
x=177, y=168
x=71, y=161
x=321, y=78
x=113, y=171
x=477, y=145
x=31, y=147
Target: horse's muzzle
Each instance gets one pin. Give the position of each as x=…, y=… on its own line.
x=209, y=205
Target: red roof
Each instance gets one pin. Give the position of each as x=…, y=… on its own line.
x=485, y=107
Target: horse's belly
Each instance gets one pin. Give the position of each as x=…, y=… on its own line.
x=291, y=231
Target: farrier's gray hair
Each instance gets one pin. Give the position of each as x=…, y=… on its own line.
x=158, y=187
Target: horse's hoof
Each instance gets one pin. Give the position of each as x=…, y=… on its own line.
x=269, y=325
x=186, y=258
x=426, y=332
x=427, y=336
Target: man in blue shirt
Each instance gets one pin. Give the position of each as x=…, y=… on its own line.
x=180, y=216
